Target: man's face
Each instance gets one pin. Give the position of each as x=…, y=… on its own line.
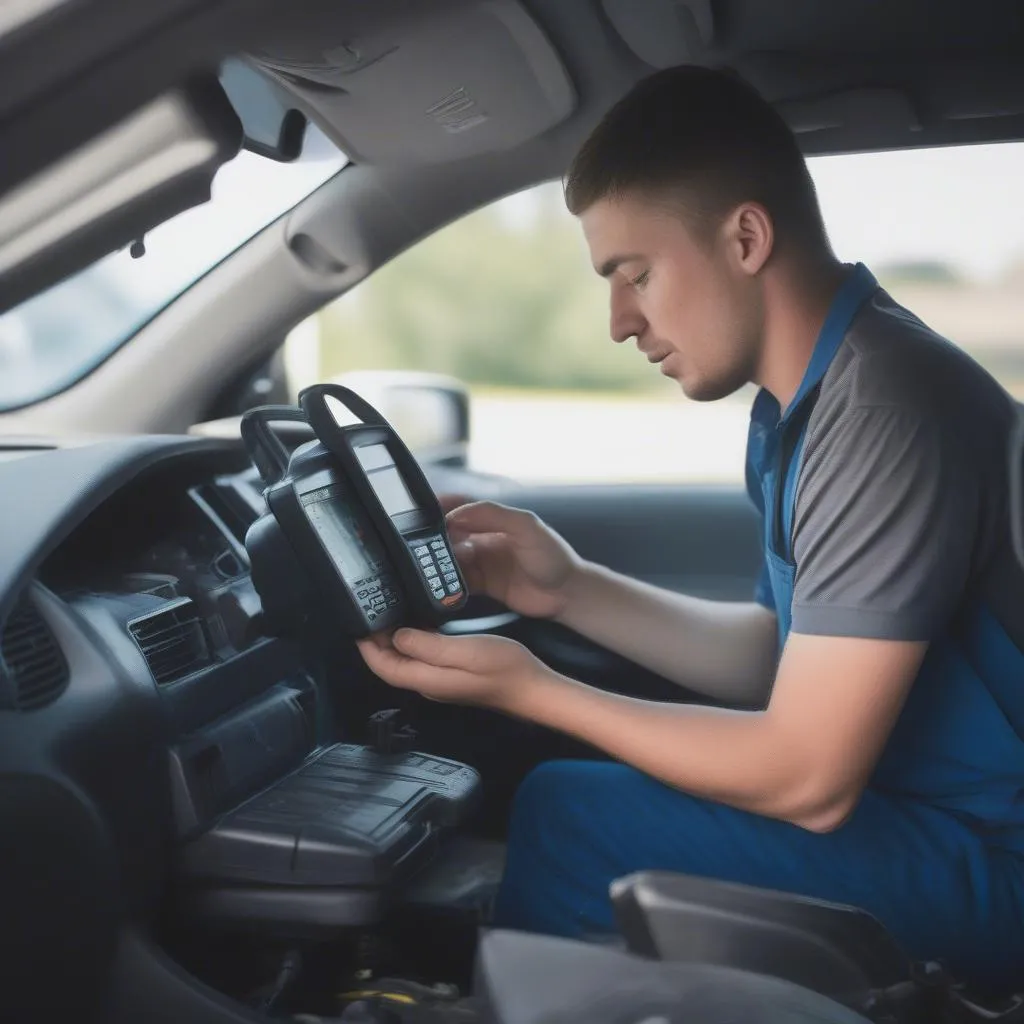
x=691, y=308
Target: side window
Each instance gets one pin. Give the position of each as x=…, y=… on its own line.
x=943, y=231
x=506, y=301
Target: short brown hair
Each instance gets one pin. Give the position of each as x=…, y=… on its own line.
x=711, y=140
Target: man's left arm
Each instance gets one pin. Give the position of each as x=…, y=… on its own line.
x=804, y=759
x=883, y=535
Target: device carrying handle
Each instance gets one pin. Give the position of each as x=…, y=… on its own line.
x=265, y=448
x=313, y=401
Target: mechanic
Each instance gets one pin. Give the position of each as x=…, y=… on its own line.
x=870, y=750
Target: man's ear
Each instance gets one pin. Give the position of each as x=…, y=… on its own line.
x=749, y=235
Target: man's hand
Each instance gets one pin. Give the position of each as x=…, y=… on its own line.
x=724, y=649
x=512, y=556
x=488, y=671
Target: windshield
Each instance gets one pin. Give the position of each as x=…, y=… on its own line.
x=58, y=336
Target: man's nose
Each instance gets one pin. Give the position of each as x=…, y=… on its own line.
x=626, y=321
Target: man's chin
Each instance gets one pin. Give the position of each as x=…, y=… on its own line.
x=703, y=390
x=696, y=387
x=695, y=394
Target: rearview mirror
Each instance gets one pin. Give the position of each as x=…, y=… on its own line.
x=271, y=126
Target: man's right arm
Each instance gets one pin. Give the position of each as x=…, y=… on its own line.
x=725, y=650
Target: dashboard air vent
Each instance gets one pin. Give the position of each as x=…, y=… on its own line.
x=34, y=662
x=172, y=640
x=226, y=505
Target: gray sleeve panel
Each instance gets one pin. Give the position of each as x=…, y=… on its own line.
x=884, y=526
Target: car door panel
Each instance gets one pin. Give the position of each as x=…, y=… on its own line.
x=696, y=540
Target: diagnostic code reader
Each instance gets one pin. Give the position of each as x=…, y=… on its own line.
x=354, y=512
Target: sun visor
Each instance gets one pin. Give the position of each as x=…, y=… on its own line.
x=144, y=170
x=471, y=78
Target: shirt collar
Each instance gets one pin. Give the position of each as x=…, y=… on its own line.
x=857, y=287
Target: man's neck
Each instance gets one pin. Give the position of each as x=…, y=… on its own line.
x=797, y=302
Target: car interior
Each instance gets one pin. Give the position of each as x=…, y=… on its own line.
x=212, y=813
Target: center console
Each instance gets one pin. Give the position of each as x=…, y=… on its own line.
x=320, y=847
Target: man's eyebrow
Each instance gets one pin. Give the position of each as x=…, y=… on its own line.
x=611, y=265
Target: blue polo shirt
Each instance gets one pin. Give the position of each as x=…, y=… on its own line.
x=892, y=522
x=884, y=500
x=883, y=491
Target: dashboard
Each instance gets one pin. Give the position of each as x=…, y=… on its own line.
x=163, y=562
x=140, y=697
x=166, y=761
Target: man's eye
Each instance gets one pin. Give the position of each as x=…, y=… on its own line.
x=641, y=279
